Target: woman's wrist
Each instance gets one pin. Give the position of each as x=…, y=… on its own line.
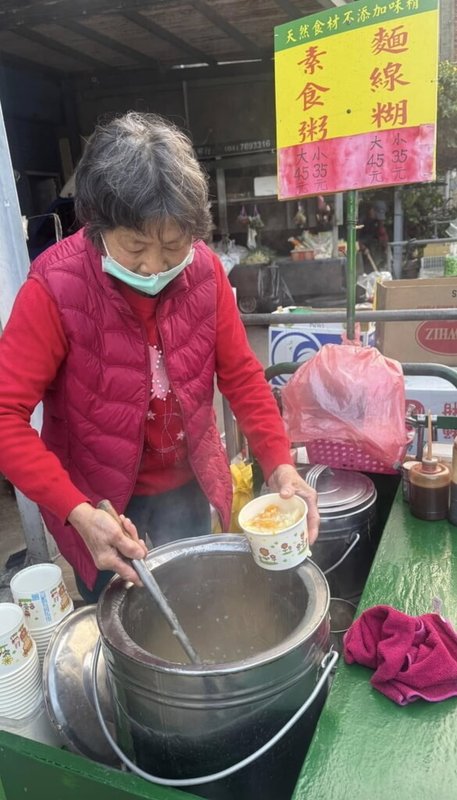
x=79, y=514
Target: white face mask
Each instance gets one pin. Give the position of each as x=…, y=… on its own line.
x=149, y=284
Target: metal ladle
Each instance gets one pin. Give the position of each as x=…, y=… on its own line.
x=151, y=586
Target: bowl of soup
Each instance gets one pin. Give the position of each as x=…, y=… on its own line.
x=276, y=530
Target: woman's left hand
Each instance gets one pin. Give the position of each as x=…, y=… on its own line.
x=286, y=480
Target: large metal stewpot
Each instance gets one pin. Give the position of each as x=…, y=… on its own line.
x=345, y=547
x=262, y=636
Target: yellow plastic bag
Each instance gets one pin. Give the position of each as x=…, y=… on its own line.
x=242, y=491
x=242, y=494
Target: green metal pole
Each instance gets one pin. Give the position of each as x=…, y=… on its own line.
x=351, y=270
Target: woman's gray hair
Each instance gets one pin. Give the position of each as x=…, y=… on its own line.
x=140, y=170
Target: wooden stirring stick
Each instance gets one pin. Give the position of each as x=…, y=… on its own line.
x=429, y=442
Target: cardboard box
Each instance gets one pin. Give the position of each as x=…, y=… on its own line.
x=427, y=341
x=300, y=342
x=431, y=394
x=439, y=249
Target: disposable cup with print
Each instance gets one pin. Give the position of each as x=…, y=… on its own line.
x=42, y=594
x=16, y=645
x=276, y=530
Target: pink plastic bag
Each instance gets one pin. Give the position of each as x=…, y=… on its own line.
x=352, y=399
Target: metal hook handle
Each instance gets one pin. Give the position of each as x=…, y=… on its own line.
x=330, y=660
x=355, y=540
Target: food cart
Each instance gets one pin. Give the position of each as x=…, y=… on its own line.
x=364, y=744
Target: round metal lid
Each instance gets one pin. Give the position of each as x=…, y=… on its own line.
x=341, y=490
x=68, y=689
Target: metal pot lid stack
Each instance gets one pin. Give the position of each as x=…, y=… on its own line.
x=340, y=491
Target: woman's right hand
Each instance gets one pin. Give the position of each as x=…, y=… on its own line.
x=107, y=543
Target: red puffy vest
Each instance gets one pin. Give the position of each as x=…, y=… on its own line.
x=95, y=410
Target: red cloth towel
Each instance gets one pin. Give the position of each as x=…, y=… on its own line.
x=414, y=657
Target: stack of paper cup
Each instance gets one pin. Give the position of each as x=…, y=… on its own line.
x=20, y=674
x=36, y=725
x=41, y=593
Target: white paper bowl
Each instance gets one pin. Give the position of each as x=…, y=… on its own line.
x=282, y=549
x=42, y=643
x=44, y=637
x=42, y=653
x=21, y=693
x=26, y=708
x=35, y=726
x=21, y=686
x=22, y=702
x=46, y=631
x=42, y=594
x=23, y=672
x=16, y=645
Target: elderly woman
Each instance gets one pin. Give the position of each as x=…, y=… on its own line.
x=120, y=330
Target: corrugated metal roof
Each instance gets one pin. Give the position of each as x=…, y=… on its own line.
x=76, y=36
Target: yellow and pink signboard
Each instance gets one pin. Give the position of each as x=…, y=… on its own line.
x=356, y=96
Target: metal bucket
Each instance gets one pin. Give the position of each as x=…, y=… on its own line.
x=345, y=547
x=262, y=636
x=341, y=617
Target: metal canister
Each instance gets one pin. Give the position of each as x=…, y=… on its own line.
x=348, y=531
x=405, y=478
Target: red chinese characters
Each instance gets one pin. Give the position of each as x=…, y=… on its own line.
x=388, y=77
x=312, y=61
x=338, y=164
x=393, y=40
x=313, y=128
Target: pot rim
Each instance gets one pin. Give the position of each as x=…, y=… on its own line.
x=342, y=514
x=344, y=507
x=114, y=636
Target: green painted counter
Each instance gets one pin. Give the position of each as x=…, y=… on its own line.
x=35, y=771
x=365, y=746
